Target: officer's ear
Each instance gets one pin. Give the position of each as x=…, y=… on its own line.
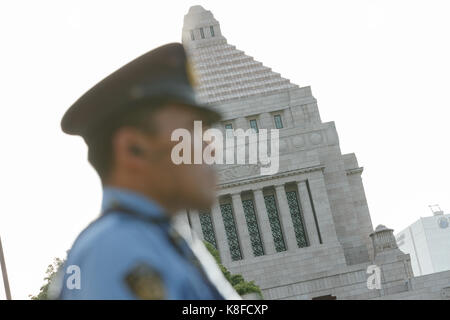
x=129, y=145
x=133, y=147
x=136, y=150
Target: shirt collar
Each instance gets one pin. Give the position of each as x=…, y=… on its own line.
x=114, y=196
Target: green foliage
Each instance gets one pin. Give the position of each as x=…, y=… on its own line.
x=247, y=287
x=237, y=281
x=51, y=272
x=213, y=251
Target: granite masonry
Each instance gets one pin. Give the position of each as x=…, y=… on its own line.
x=305, y=232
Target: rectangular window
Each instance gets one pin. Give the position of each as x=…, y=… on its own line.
x=192, y=35
x=211, y=28
x=229, y=130
x=254, y=125
x=230, y=230
x=274, y=222
x=252, y=226
x=278, y=122
x=202, y=34
x=297, y=219
x=207, y=228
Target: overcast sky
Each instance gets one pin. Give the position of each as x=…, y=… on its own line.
x=379, y=69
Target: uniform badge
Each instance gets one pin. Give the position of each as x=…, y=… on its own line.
x=145, y=283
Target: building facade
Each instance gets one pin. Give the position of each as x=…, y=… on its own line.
x=427, y=241
x=304, y=232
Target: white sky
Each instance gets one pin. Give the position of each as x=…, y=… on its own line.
x=379, y=69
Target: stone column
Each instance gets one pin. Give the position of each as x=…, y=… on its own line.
x=266, y=120
x=322, y=207
x=263, y=222
x=286, y=220
x=308, y=215
x=241, y=227
x=221, y=236
x=288, y=119
x=196, y=225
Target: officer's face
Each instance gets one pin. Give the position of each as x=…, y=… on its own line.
x=154, y=172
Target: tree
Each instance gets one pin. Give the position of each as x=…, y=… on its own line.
x=237, y=281
x=50, y=274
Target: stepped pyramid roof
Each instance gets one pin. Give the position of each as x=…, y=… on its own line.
x=224, y=72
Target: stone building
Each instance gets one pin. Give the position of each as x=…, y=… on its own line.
x=304, y=232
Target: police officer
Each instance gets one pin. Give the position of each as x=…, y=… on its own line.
x=132, y=250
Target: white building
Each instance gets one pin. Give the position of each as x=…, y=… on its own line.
x=427, y=241
x=306, y=231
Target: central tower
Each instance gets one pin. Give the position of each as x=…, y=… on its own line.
x=295, y=232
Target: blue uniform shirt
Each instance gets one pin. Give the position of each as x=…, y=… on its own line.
x=119, y=249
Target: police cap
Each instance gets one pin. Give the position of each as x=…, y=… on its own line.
x=163, y=73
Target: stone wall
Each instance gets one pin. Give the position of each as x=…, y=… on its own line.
x=323, y=247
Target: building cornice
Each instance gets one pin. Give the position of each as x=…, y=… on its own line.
x=256, y=179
